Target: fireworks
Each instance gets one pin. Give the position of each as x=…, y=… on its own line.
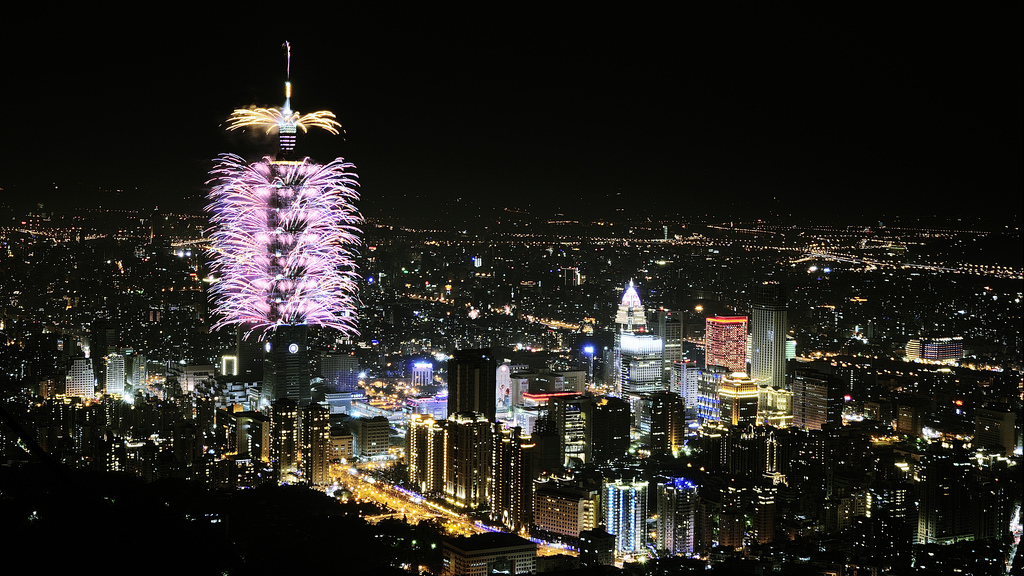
x=283, y=241
x=284, y=231
x=270, y=118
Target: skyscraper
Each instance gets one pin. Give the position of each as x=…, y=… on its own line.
x=340, y=371
x=677, y=508
x=115, y=377
x=670, y=330
x=637, y=354
x=284, y=438
x=511, y=493
x=625, y=513
x=286, y=365
x=573, y=417
x=472, y=382
x=725, y=340
x=738, y=395
x=817, y=400
x=283, y=243
x=639, y=361
x=316, y=444
x=769, y=323
x=467, y=463
x=81, y=381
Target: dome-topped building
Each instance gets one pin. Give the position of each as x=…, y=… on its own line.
x=631, y=316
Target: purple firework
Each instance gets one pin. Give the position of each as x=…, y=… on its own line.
x=283, y=241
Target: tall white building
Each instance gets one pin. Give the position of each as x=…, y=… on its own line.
x=137, y=370
x=685, y=379
x=769, y=323
x=625, y=514
x=637, y=354
x=115, y=374
x=81, y=380
x=422, y=373
x=639, y=361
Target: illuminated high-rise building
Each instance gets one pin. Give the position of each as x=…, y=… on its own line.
x=670, y=330
x=137, y=370
x=637, y=353
x=282, y=246
x=726, y=342
x=769, y=322
x=738, y=396
x=639, y=362
x=340, y=371
x=316, y=444
x=573, y=417
x=630, y=315
x=668, y=423
x=422, y=374
x=511, y=491
x=284, y=438
x=424, y=454
x=817, y=400
x=81, y=381
x=677, y=516
x=467, y=465
x=115, y=373
x=563, y=510
x=625, y=514
x=286, y=365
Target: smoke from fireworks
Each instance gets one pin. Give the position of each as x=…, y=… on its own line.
x=283, y=243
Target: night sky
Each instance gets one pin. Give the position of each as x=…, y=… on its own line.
x=816, y=110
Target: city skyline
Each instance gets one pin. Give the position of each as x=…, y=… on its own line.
x=764, y=112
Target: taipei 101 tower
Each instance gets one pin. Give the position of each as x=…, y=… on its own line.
x=284, y=231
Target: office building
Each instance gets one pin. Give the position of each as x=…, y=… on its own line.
x=372, y=436
x=472, y=383
x=670, y=330
x=512, y=473
x=116, y=376
x=738, y=395
x=610, y=432
x=562, y=510
x=769, y=323
x=995, y=429
x=725, y=342
x=685, y=380
x=286, y=369
x=340, y=371
x=639, y=361
x=817, y=400
x=709, y=380
x=467, y=465
x=573, y=417
x=81, y=380
x=422, y=374
x=668, y=423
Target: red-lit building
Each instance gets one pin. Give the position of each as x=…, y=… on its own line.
x=725, y=340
